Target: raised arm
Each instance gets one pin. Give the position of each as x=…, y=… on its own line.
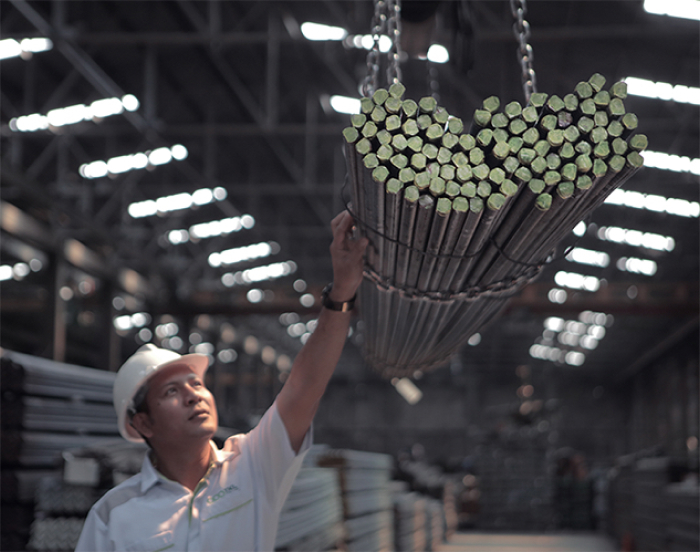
x=313, y=367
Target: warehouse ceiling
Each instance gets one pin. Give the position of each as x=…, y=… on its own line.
x=238, y=85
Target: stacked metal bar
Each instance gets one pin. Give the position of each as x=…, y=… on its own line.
x=434, y=524
x=682, y=502
x=367, y=502
x=459, y=219
x=410, y=521
x=651, y=475
x=47, y=408
x=311, y=518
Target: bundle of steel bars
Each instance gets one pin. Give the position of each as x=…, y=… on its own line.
x=460, y=218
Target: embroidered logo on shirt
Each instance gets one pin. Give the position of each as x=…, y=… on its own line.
x=222, y=493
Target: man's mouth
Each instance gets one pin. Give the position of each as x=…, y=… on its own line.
x=199, y=414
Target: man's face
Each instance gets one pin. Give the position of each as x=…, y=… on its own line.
x=181, y=409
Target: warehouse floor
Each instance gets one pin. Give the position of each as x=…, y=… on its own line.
x=486, y=542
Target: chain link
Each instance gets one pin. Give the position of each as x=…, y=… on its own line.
x=385, y=22
x=371, y=82
x=393, y=72
x=521, y=30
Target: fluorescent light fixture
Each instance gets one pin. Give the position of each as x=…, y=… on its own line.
x=575, y=327
x=675, y=163
x=211, y=229
x=168, y=329
x=245, y=253
x=166, y=204
x=545, y=352
x=134, y=161
x=636, y=238
x=344, y=104
x=261, y=274
x=6, y=273
x=572, y=280
x=596, y=319
x=574, y=358
x=408, y=390
x=160, y=156
x=580, y=229
x=588, y=342
x=638, y=266
x=73, y=114
x=685, y=9
x=128, y=321
x=554, y=323
x=318, y=31
x=662, y=91
x=10, y=47
x=68, y=115
x=568, y=338
x=652, y=202
x=572, y=336
x=297, y=329
x=255, y=295
x=36, y=45
x=588, y=257
x=438, y=54
x=557, y=295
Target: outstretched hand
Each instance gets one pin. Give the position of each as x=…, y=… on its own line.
x=346, y=254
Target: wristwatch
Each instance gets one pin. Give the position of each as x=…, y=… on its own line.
x=340, y=306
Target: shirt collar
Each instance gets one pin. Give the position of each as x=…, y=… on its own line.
x=150, y=475
x=217, y=455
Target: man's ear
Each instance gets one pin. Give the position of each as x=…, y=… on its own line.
x=142, y=423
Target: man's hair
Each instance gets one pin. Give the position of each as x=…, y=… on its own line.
x=139, y=404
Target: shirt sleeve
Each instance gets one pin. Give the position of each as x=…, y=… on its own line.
x=94, y=535
x=272, y=456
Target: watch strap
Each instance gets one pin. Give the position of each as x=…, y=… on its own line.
x=339, y=306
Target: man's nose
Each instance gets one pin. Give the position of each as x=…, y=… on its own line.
x=192, y=395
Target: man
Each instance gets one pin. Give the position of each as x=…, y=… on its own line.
x=189, y=495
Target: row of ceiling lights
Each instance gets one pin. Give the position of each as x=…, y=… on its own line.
x=564, y=341
x=313, y=31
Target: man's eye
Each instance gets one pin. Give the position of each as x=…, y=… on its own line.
x=170, y=391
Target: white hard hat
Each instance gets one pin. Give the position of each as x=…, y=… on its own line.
x=137, y=369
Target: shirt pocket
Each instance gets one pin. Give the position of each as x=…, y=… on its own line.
x=232, y=503
x=157, y=543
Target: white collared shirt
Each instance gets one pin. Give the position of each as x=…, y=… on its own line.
x=235, y=506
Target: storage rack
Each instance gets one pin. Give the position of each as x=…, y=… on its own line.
x=48, y=408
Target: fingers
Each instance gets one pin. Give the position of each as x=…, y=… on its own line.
x=341, y=223
x=341, y=226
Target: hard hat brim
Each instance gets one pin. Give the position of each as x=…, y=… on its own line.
x=198, y=363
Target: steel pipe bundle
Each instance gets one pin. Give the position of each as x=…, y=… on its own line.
x=460, y=218
x=311, y=518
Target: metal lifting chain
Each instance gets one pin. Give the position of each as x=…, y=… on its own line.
x=521, y=30
x=385, y=22
x=393, y=72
